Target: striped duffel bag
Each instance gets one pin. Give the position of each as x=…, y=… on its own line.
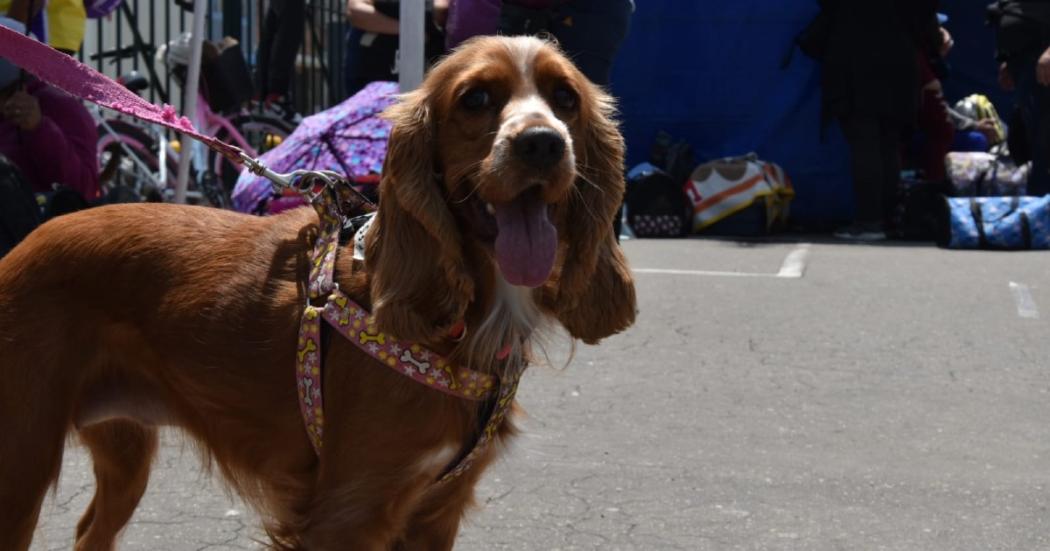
x=723, y=188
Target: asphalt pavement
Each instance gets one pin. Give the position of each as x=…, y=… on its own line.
x=795, y=394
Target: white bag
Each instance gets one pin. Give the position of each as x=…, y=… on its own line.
x=719, y=189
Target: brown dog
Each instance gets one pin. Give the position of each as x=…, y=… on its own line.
x=503, y=175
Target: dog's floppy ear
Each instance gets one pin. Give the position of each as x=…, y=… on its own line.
x=419, y=284
x=595, y=295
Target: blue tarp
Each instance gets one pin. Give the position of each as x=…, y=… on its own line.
x=710, y=73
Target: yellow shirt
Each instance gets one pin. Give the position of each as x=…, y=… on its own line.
x=66, y=22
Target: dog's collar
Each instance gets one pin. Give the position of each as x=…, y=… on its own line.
x=359, y=227
x=357, y=325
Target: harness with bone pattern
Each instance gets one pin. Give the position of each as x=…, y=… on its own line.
x=358, y=326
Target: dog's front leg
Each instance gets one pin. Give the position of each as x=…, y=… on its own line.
x=367, y=515
x=387, y=439
x=435, y=524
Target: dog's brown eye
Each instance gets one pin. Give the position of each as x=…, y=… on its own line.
x=564, y=98
x=476, y=99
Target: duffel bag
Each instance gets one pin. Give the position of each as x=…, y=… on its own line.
x=914, y=213
x=976, y=174
x=720, y=189
x=1016, y=223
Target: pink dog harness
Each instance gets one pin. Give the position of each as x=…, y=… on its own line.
x=357, y=325
x=343, y=314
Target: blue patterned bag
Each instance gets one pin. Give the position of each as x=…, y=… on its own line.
x=996, y=223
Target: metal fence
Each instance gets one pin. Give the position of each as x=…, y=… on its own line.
x=144, y=25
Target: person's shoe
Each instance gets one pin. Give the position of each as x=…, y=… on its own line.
x=281, y=107
x=860, y=231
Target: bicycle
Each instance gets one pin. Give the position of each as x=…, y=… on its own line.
x=253, y=130
x=134, y=157
x=138, y=156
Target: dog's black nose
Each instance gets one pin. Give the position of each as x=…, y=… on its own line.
x=539, y=147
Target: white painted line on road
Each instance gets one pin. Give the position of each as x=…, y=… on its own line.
x=700, y=273
x=1026, y=307
x=794, y=267
x=795, y=263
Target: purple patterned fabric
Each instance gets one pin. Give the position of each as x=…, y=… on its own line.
x=349, y=138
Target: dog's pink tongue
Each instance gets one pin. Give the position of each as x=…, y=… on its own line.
x=527, y=241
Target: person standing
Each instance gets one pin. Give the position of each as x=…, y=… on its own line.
x=871, y=87
x=66, y=25
x=1023, y=50
x=282, y=35
x=372, y=42
x=589, y=31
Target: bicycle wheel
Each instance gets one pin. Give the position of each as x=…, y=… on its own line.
x=262, y=132
x=127, y=155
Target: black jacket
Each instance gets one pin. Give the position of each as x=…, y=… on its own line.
x=870, y=64
x=1022, y=27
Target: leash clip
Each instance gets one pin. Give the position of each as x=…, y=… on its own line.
x=312, y=184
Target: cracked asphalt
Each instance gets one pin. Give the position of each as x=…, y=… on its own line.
x=894, y=397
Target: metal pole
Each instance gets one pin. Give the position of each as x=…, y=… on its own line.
x=200, y=8
x=410, y=42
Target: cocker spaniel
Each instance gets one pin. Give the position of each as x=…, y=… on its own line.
x=503, y=175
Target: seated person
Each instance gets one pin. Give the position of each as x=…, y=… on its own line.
x=973, y=134
x=46, y=133
x=942, y=129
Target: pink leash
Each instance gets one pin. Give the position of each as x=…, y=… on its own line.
x=79, y=80
x=73, y=77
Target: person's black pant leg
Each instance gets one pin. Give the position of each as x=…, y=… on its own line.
x=891, y=143
x=291, y=24
x=262, y=55
x=590, y=32
x=1040, y=184
x=1033, y=100
x=874, y=162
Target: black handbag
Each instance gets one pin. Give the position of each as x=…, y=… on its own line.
x=657, y=206
x=19, y=212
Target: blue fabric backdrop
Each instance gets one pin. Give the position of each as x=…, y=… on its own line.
x=710, y=73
